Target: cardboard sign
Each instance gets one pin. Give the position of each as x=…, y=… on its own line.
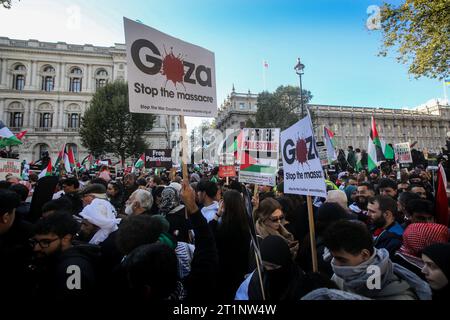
x=167, y=75
x=303, y=172
x=9, y=166
x=403, y=152
x=259, y=156
x=323, y=155
x=227, y=171
x=158, y=158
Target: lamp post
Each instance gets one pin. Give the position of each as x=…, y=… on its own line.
x=299, y=67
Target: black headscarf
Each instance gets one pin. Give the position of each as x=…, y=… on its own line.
x=440, y=254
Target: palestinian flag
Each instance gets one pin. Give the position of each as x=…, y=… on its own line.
x=21, y=134
x=388, y=151
x=71, y=158
x=330, y=143
x=87, y=162
x=7, y=138
x=47, y=171
x=374, y=149
x=441, y=206
x=62, y=164
x=140, y=162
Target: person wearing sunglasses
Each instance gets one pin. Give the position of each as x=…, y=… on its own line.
x=270, y=221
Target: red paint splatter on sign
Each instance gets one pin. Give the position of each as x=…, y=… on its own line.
x=173, y=68
x=301, y=151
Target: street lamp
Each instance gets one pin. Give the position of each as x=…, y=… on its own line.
x=299, y=67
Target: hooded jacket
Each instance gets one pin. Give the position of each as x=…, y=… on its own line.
x=396, y=282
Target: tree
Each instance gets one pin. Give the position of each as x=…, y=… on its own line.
x=6, y=3
x=420, y=32
x=109, y=126
x=280, y=109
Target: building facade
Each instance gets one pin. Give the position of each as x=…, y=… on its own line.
x=46, y=87
x=427, y=124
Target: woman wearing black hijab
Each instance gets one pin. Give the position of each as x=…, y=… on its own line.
x=437, y=269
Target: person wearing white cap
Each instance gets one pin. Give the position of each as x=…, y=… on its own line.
x=99, y=221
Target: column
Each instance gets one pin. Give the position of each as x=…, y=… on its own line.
x=32, y=117
x=62, y=77
x=2, y=111
x=33, y=74
x=2, y=72
x=89, y=78
x=61, y=115
x=85, y=79
x=55, y=117
x=26, y=114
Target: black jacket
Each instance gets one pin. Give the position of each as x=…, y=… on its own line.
x=15, y=257
x=201, y=281
x=57, y=275
x=233, y=249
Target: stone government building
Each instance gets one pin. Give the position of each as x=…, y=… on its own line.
x=427, y=124
x=46, y=87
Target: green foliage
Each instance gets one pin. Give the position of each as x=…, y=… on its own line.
x=109, y=126
x=280, y=109
x=419, y=30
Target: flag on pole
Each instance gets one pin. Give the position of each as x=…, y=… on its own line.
x=441, y=198
x=374, y=149
x=71, y=158
x=140, y=162
x=47, y=171
x=87, y=162
x=7, y=137
x=21, y=134
x=447, y=82
x=330, y=143
x=388, y=151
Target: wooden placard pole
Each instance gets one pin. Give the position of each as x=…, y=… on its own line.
x=184, y=148
x=312, y=234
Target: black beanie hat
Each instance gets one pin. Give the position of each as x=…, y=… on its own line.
x=274, y=249
x=440, y=254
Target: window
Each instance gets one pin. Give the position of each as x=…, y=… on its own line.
x=75, y=85
x=19, y=82
x=242, y=105
x=74, y=120
x=75, y=80
x=101, y=78
x=19, y=77
x=16, y=120
x=49, y=69
x=48, y=83
x=43, y=148
x=45, y=120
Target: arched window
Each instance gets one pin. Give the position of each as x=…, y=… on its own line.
x=101, y=78
x=45, y=120
x=19, y=77
x=75, y=80
x=74, y=120
x=48, y=78
x=16, y=120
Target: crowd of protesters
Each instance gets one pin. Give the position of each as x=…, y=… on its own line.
x=152, y=237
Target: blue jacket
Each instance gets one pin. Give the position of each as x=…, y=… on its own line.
x=390, y=239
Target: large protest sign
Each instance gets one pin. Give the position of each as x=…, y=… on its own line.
x=158, y=158
x=167, y=75
x=303, y=172
x=9, y=166
x=259, y=156
x=403, y=152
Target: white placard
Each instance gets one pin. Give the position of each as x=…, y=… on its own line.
x=167, y=75
x=303, y=172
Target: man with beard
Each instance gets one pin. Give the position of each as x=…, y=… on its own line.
x=364, y=192
x=387, y=233
x=64, y=271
